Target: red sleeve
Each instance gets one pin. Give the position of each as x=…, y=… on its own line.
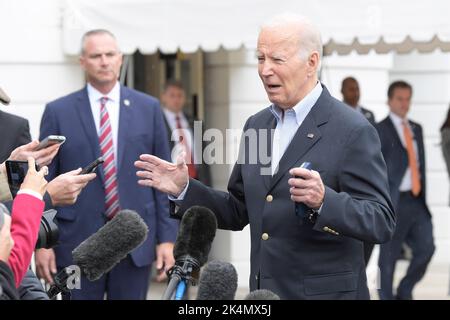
x=25, y=220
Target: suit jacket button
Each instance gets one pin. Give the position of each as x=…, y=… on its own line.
x=265, y=236
x=326, y=229
x=269, y=198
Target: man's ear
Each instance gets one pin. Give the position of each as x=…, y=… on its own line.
x=313, y=63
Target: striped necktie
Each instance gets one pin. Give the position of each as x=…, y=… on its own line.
x=109, y=168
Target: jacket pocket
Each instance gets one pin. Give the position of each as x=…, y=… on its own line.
x=330, y=283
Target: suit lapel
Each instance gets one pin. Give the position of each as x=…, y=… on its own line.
x=126, y=109
x=307, y=135
x=87, y=120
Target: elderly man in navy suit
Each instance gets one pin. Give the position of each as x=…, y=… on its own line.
x=307, y=226
x=107, y=119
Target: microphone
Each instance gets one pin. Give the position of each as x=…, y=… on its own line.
x=4, y=99
x=218, y=281
x=262, y=294
x=100, y=252
x=197, y=231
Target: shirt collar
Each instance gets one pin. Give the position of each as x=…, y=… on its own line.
x=113, y=95
x=303, y=107
x=396, y=119
x=171, y=113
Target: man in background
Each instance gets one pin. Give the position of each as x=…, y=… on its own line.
x=350, y=94
x=403, y=150
x=180, y=130
x=107, y=119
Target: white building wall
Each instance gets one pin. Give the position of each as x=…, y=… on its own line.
x=33, y=68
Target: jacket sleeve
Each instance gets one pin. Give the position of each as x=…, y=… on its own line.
x=7, y=288
x=362, y=208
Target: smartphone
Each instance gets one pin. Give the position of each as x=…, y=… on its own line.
x=301, y=208
x=16, y=171
x=49, y=141
x=92, y=166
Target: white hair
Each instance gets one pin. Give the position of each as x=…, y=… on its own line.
x=309, y=37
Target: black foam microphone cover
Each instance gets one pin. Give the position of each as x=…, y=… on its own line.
x=218, y=281
x=196, y=234
x=104, y=249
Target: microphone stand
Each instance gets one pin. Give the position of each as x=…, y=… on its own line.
x=180, y=276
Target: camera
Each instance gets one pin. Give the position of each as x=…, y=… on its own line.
x=48, y=230
x=48, y=234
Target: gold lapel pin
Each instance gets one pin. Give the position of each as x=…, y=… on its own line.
x=310, y=135
x=126, y=102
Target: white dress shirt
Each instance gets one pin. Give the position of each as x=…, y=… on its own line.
x=113, y=108
x=406, y=184
x=288, y=122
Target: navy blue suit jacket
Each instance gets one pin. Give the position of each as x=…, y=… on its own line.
x=291, y=256
x=396, y=157
x=141, y=130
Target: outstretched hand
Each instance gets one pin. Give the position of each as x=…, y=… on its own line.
x=167, y=177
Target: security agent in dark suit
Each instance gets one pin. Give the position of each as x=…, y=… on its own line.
x=317, y=253
x=173, y=100
x=350, y=94
x=403, y=151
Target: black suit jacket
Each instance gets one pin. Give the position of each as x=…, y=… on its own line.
x=396, y=157
x=14, y=132
x=203, y=169
x=368, y=115
x=291, y=256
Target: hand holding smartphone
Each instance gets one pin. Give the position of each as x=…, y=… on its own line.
x=49, y=141
x=301, y=208
x=16, y=171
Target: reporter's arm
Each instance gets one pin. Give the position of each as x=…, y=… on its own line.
x=26, y=217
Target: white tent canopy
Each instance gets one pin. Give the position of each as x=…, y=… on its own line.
x=346, y=25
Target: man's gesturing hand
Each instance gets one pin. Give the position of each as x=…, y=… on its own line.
x=162, y=175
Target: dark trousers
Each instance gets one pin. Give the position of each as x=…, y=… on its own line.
x=124, y=282
x=413, y=226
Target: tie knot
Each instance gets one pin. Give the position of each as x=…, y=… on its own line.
x=103, y=101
